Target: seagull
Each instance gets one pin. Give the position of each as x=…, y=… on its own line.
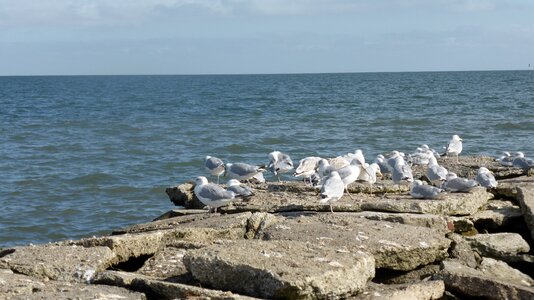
x=348, y=175
x=332, y=189
x=485, y=178
x=457, y=184
x=243, y=171
x=381, y=161
x=520, y=161
x=506, y=159
x=454, y=147
x=357, y=155
x=279, y=163
x=399, y=169
x=436, y=172
x=419, y=190
x=422, y=155
x=211, y=194
x=369, y=173
x=235, y=186
x=215, y=166
x=307, y=167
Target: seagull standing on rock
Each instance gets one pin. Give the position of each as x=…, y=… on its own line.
x=332, y=189
x=436, y=172
x=307, y=167
x=215, y=166
x=211, y=194
x=279, y=163
x=454, y=147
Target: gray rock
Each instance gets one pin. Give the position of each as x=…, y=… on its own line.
x=16, y=286
x=449, y=203
x=423, y=273
x=466, y=281
x=179, y=212
x=157, y=289
x=182, y=195
x=497, y=214
x=526, y=201
x=502, y=271
x=462, y=251
x=65, y=263
x=282, y=269
x=395, y=246
x=125, y=246
x=463, y=225
x=257, y=222
x=498, y=245
x=168, y=265
x=438, y=223
x=425, y=290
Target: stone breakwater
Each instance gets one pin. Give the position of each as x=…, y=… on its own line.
x=282, y=243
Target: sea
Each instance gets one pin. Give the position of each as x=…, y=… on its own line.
x=83, y=155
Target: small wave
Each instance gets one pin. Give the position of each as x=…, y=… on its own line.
x=515, y=126
x=94, y=178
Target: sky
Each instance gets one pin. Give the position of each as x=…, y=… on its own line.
x=104, y=37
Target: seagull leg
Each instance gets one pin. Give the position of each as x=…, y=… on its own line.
x=331, y=209
x=347, y=190
x=278, y=178
x=218, y=176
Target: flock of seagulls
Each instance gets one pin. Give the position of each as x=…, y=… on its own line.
x=332, y=176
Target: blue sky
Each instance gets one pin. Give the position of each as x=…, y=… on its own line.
x=64, y=37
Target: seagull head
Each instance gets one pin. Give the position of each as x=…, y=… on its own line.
x=200, y=180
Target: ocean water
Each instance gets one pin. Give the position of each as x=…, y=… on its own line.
x=82, y=155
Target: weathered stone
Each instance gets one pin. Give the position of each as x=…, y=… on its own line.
x=497, y=214
x=502, y=271
x=308, y=200
x=282, y=269
x=66, y=263
x=466, y=281
x=207, y=220
x=463, y=225
x=509, y=187
x=157, y=289
x=498, y=244
x=128, y=246
x=395, y=246
x=183, y=195
x=469, y=165
x=167, y=264
x=448, y=204
x=461, y=249
x=17, y=286
x=257, y=222
x=425, y=290
x=526, y=201
x=438, y=223
x=381, y=187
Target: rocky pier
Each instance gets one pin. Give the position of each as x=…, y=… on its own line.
x=283, y=244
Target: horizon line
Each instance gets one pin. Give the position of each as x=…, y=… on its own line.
x=255, y=74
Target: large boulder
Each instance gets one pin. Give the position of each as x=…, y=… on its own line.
x=499, y=245
x=526, y=201
x=281, y=269
x=395, y=246
x=469, y=282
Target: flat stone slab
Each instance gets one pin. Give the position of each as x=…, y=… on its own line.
x=65, y=263
x=497, y=214
x=282, y=269
x=168, y=265
x=16, y=286
x=436, y=222
x=425, y=290
x=452, y=204
x=499, y=245
x=394, y=246
x=468, y=282
x=296, y=197
x=158, y=289
x=502, y=271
